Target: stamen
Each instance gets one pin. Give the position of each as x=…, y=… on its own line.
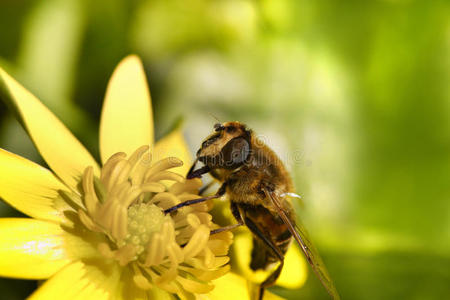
x=104, y=249
x=142, y=282
x=164, y=164
x=138, y=155
x=155, y=247
x=194, y=286
x=119, y=174
x=140, y=162
x=90, y=199
x=197, y=242
x=87, y=221
x=166, y=175
x=128, y=206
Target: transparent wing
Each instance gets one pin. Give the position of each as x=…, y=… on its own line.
x=301, y=236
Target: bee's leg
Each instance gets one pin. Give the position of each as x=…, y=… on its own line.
x=206, y=187
x=254, y=229
x=191, y=169
x=197, y=173
x=226, y=228
x=236, y=213
x=216, y=177
x=237, y=216
x=219, y=194
x=274, y=276
x=270, y=280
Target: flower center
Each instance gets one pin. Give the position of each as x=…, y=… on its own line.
x=143, y=221
x=125, y=207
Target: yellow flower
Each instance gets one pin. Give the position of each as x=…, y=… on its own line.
x=99, y=232
x=295, y=270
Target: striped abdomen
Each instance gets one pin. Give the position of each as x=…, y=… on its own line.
x=272, y=227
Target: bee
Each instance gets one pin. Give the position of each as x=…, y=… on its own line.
x=258, y=187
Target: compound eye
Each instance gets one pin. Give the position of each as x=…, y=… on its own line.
x=235, y=152
x=230, y=129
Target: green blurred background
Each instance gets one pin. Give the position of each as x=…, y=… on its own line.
x=353, y=95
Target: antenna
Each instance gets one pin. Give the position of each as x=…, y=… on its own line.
x=217, y=119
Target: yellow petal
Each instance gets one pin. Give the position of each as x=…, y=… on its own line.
x=30, y=188
x=96, y=281
x=127, y=120
x=160, y=294
x=194, y=286
x=31, y=249
x=61, y=150
x=174, y=145
x=233, y=286
x=126, y=288
x=295, y=270
x=292, y=276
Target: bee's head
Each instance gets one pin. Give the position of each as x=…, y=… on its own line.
x=228, y=147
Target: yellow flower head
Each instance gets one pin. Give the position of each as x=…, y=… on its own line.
x=101, y=232
x=126, y=206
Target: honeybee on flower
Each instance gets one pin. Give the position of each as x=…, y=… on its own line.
x=98, y=231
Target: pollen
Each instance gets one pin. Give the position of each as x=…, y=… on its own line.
x=143, y=221
x=125, y=206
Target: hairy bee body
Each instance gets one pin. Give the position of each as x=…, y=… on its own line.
x=244, y=191
x=272, y=227
x=257, y=184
